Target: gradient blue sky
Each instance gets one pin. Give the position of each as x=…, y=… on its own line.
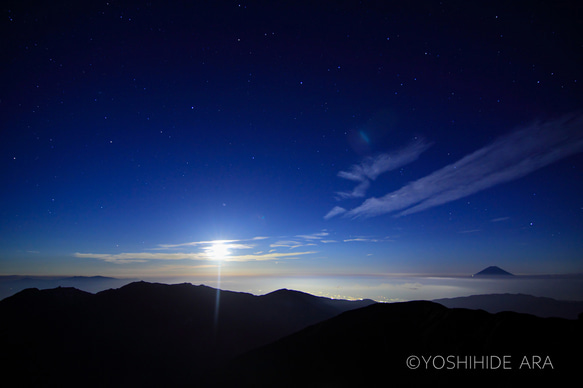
x=314, y=138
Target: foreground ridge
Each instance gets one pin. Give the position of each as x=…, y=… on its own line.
x=152, y=334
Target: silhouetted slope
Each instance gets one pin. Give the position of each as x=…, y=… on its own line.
x=520, y=303
x=370, y=346
x=143, y=333
x=300, y=306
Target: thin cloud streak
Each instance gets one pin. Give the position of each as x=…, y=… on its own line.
x=358, y=192
x=288, y=244
x=361, y=239
x=205, y=251
x=313, y=236
x=142, y=257
x=196, y=243
x=371, y=167
x=509, y=158
x=336, y=210
x=268, y=256
x=230, y=243
x=500, y=219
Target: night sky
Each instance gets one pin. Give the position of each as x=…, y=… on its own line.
x=314, y=139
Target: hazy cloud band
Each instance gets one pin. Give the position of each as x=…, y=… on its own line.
x=508, y=158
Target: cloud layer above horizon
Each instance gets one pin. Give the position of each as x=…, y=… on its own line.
x=508, y=158
x=237, y=250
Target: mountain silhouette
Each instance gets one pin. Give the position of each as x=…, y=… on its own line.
x=370, y=347
x=151, y=334
x=493, y=271
x=10, y=285
x=144, y=334
x=521, y=303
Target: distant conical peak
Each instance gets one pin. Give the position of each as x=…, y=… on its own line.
x=493, y=271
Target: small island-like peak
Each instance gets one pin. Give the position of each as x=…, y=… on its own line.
x=493, y=271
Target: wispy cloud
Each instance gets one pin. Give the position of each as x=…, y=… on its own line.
x=361, y=239
x=336, y=210
x=268, y=256
x=358, y=192
x=508, y=158
x=313, y=236
x=204, y=251
x=196, y=243
x=371, y=167
x=140, y=257
x=231, y=244
x=288, y=244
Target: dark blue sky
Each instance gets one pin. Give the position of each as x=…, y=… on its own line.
x=351, y=138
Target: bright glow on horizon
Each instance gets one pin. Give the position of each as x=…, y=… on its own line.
x=218, y=251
